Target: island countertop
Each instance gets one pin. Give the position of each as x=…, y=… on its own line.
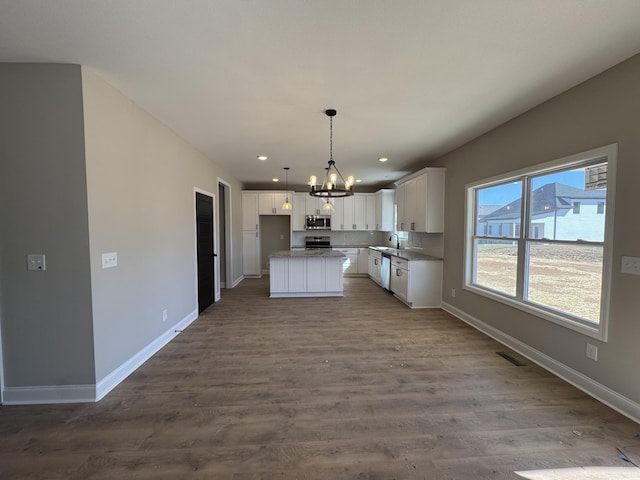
x=321, y=252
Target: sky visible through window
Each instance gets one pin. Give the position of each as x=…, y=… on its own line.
x=509, y=192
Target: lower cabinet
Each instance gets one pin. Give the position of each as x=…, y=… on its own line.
x=375, y=263
x=418, y=283
x=399, y=281
x=356, y=260
x=350, y=261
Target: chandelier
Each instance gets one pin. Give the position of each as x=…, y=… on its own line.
x=334, y=185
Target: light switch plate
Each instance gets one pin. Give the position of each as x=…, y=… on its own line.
x=631, y=265
x=110, y=260
x=36, y=261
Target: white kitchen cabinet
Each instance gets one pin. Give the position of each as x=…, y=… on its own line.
x=350, y=266
x=313, y=205
x=399, y=281
x=251, y=253
x=305, y=276
x=420, y=202
x=356, y=261
x=250, y=235
x=350, y=213
x=417, y=283
x=337, y=216
x=250, y=219
x=375, y=263
x=270, y=203
x=384, y=210
x=363, y=261
x=370, y=212
x=315, y=274
x=401, y=219
x=298, y=212
x=279, y=275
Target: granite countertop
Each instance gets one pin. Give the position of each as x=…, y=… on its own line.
x=406, y=254
x=322, y=252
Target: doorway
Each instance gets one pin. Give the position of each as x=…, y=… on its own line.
x=224, y=234
x=205, y=250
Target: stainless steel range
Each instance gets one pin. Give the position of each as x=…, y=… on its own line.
x=317, y=242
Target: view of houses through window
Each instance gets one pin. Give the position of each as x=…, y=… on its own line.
x=546, y=251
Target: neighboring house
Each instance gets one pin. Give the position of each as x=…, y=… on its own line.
x=559, y=212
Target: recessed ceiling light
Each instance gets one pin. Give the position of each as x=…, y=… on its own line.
x=358, y=180
x=383, y=159
x=262, y=157
x=275, y=179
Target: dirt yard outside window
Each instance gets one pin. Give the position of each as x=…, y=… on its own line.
x=564, y=277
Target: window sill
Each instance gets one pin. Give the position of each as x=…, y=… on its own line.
x=597, y=332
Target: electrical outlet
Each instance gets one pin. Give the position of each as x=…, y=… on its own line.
x=592, y=352
x=110, y=260
x=631, y=265
x=36, y=261
x=453, y=292
x=165, y=315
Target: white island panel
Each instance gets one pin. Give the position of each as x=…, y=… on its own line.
x=316, y=274
x=306, y=274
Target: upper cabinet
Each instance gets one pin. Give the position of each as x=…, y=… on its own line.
x=250, y=219
x=356, y=212
x=384, y=210
x=270, y=203
x=313, y=205
x=420, y=202
x=298, y=213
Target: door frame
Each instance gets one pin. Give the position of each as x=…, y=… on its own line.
x=228, y=233
x=216, y=260
x=1, y=364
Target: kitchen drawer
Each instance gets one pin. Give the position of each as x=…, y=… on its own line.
x=400, y=263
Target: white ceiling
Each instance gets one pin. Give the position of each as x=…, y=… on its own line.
x=411, y=79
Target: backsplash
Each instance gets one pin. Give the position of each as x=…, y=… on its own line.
x=427, y=243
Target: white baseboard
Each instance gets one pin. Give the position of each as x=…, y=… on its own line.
x=600, y=392
x=51, y=394
x=114, y=378
x=237, y=281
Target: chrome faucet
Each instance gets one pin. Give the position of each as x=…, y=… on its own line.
x=397, y=240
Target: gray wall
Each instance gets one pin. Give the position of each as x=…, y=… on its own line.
x=603, y=110
x=85, y=171
x=46, y=316
x=276, y=235
x=141, y=178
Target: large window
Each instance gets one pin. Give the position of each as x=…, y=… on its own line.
x=538, y=239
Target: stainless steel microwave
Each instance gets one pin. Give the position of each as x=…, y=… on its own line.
x=317, y=222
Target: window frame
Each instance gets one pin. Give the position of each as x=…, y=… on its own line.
x=606, y=153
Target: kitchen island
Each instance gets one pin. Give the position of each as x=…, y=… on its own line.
x=306, y=273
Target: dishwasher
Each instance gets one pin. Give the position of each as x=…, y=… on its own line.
x=385, y=271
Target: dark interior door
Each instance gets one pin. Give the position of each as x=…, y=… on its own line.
x=206, y=255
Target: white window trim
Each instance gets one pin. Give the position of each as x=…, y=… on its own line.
x=599, y=331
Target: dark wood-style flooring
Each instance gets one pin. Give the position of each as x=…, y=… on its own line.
x=359, y=387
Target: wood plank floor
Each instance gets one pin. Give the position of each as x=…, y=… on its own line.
x=359, y=387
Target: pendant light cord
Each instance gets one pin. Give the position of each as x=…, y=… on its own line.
x=331, y=139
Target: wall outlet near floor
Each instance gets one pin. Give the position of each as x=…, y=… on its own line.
x=165, y=315
x=592, y=352
x=453, y=292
